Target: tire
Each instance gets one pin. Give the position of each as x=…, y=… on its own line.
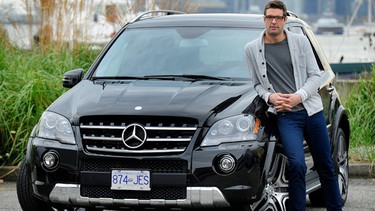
x=275, y=194
x=92, y=209
x=25, y=192
x=317, y=198
x=341, y=164
x=235, y=208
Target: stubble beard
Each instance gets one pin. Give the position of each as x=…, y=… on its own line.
x=274, y=33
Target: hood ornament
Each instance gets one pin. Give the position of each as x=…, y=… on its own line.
x=138, y=108
x=134, y=136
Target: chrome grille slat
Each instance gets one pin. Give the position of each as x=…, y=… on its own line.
x=147, y=128
x=119, y=139
x=172, y=128
x=103, y=134
x=101, y=138
x=169, y=139
x=126, y=151
x=102, y=127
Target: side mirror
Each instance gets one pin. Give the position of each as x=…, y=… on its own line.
x=72, y=77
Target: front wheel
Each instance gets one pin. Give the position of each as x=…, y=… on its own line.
x=236, y=208
x=25, y=192
x=275, y=194
x=341, y=162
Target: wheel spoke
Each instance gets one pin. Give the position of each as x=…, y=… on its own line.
x=343, y=165
x=275, y=194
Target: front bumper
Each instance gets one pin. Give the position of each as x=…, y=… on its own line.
x=188, y=180
x=197, y=197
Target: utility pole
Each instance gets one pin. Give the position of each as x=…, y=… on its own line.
x=369, y=11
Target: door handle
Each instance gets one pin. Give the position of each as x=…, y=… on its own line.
x=330, y=88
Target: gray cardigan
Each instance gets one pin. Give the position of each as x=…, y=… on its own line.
x=305, y=68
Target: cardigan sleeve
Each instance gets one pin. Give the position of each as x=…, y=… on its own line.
x=312, y=83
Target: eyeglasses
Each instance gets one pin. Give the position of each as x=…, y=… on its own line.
x=277, y=18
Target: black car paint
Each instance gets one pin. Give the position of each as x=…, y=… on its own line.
x=199, y=100
x=157, y=97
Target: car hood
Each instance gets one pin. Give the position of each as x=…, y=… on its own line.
x=152, y=97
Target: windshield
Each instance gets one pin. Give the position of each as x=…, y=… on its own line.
x=203, y=51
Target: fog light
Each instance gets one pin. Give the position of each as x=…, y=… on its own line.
x=50, y=160
x=227, y=163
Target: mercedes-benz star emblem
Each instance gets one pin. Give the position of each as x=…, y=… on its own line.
x=134, y=136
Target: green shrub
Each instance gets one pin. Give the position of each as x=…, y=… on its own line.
x=30, y=81
x=361, y=110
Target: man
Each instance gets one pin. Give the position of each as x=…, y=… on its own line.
x=285, y=74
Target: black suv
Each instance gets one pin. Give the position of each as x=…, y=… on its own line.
x=167, y=117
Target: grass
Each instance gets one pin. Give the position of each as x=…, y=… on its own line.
x=360, y=105
x=30, y=81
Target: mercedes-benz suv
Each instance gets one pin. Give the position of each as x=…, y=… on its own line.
x=167, y=117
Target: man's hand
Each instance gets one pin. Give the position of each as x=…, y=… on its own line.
x=284, y=102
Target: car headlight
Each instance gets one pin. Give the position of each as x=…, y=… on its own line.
x=57, y=127
x=232, y=129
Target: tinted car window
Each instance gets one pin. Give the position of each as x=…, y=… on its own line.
x=181, y=50
x=295, y=29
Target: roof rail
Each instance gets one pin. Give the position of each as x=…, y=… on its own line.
x=291, y=14
x=166, y=12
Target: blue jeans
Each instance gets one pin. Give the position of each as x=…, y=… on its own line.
x=294, y=127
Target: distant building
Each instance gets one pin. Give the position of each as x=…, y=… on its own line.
x=295, y=6
x=224, y=6
x=310, y=10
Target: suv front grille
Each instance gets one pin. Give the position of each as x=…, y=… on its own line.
x=103, y=134
x=155, y=166
x=167, y=193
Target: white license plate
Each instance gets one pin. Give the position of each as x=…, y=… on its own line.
x=130, y=180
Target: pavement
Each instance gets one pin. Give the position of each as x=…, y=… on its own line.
x=356, y=170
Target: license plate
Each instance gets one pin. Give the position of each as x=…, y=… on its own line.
x=130, y=180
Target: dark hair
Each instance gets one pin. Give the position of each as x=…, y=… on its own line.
x=276, y=4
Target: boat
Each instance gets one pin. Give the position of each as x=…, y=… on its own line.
x=329, y=25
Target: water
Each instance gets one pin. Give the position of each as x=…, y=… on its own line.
x=350, y=47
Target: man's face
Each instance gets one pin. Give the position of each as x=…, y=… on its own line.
x=274, y=21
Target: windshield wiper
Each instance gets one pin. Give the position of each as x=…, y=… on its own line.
x=118, y=77
x=163, y=77
x=188, y=76
x=147, y=77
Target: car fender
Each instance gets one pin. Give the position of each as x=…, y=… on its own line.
x=341, y=120
x=29, y=149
